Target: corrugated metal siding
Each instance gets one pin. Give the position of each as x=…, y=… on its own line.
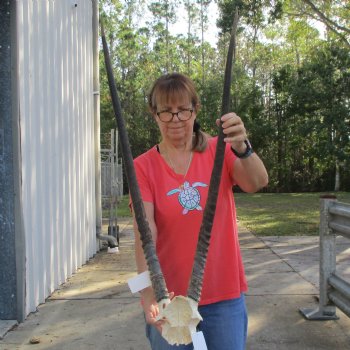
x=57, y=141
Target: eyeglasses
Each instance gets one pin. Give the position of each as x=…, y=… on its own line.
x=182, y=115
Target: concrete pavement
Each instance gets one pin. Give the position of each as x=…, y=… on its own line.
x=94, y=309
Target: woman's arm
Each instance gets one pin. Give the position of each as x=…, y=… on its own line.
x=249, y=173
x=141, y=263
x=148, y=300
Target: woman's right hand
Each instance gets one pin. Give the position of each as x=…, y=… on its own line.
x=151, y=308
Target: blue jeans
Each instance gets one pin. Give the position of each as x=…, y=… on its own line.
x=224, y=327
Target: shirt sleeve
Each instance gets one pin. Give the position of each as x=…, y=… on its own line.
x=143, y=177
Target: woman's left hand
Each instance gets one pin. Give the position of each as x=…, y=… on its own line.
x=234, y=130
x=250, y=175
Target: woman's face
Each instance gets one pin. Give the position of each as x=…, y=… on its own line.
x=176, y=131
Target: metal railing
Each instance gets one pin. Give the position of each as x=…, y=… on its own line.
x=334, y=290
x=111, y=181
x=111, y=168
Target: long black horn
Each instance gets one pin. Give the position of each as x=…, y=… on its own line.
x=195, y=285
x=157, y=278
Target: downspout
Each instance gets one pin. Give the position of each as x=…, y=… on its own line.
x=112, y=241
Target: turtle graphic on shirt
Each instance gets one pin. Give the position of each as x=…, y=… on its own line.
x=189, y=197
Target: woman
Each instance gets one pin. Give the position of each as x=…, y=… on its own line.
x=174, y=179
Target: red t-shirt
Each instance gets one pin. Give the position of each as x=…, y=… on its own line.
x=178, y=209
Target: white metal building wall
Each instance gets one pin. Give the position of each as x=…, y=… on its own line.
x=57, y=141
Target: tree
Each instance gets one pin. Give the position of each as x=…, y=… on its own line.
x=287, y=76
x=163, y=15
x=315, y=103
x=333, y=14
x=204, y=4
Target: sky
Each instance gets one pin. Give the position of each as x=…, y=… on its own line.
x=211, y=35
x=180, y=27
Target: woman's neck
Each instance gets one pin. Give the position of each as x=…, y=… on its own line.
x=178, y=156
x=176, y=147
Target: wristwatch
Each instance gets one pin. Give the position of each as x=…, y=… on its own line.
x=249, y=151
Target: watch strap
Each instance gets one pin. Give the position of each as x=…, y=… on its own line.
x=249, y=151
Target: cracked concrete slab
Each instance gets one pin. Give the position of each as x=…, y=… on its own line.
x=6, y=326
x=275, y=324
x=302, y=254
x=94, y=309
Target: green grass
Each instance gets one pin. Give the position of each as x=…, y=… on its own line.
x=123, y=207
x=281, y=214
x=272, y=214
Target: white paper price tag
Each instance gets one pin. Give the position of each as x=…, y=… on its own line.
x=139, y=282
x=199, y=341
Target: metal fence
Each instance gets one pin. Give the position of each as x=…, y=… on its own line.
x=111, y=179
x=111, y=169
x=111, y=182
x=334, y=290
